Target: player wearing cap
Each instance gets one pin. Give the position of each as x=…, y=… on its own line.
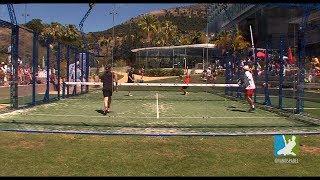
x=249, y=86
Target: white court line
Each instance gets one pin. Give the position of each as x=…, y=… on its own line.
x=168, y=117
x=269, y=96
x=303, y=108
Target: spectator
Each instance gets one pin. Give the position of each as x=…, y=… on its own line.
x=2, y=73
x=27, y=74
x=53, y=79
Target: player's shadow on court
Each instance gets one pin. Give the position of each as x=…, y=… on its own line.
x=233, y=108
x=100, y=111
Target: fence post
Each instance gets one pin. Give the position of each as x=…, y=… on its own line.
x=14, y=61
x=75, y=71
x=59, y=68
x=226, y=73
x=46, y=96
x=68, y=69
x=238, y=63
x=255, y=73
x=281, y=63
x=81, y=71
x=267, y=100
x=87, y=70
x=301, y=60
x=34, y=66
x=301, y=76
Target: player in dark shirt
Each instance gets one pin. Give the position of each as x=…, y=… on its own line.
x=130, y=79
x=107, y=79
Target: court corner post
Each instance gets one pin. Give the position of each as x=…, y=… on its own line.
x=63, y=90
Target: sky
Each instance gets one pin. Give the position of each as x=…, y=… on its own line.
x=99, y=19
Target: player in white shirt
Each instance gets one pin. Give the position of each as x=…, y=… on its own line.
x=249, y=86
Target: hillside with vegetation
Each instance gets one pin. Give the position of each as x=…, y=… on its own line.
x=176, y=26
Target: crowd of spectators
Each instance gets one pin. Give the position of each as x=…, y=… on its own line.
x=312, y=70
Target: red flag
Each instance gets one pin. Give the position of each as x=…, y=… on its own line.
x=291, y=58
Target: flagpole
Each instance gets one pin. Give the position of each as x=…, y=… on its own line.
x=254, y=61
x=252, y=44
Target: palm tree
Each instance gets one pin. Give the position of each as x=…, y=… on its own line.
x=148, y=25
x=239, y=42
x=170, y=31
x=228, y=41
x=224, y=41
x=185, y=39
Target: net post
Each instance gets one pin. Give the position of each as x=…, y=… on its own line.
x=46, y=96
x=34, y=66
x=157, y=97
x=14, y=61
x=63, y=90
x=281, y=78
x=68, y=69
x=59, y=68
x=267, y=100
x=87, y=70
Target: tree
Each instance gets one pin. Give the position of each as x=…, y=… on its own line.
x=199, y=38
x=163, y=33
x=35, y=25
x=185, y=39
x=224, y=41
x=148, y=26
x=239, y=42
x=68, y=34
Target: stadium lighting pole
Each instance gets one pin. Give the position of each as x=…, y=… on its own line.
x=113, y=44
x=207, y=35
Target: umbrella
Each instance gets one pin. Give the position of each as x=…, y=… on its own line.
x=261, y=55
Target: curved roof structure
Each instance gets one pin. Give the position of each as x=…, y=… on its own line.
x=209, y=46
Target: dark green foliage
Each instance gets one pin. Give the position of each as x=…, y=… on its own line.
x=36, y=25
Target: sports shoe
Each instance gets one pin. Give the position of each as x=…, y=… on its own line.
x=251, y=109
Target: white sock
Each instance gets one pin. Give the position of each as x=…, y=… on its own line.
x=253, y=106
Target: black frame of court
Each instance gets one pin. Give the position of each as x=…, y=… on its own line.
x=14, y=103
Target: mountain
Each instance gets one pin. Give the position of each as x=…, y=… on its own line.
x=189, y=20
